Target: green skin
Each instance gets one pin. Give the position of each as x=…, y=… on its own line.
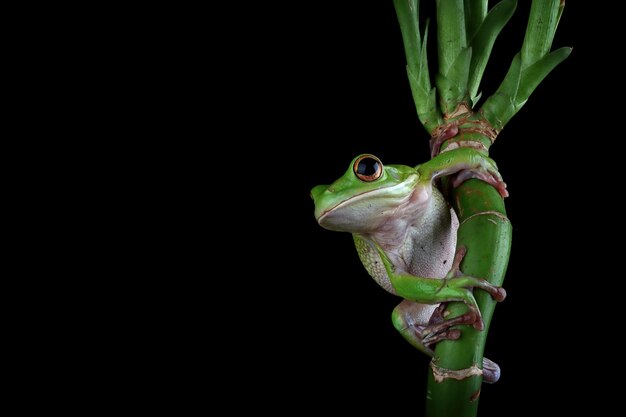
x=405, y=235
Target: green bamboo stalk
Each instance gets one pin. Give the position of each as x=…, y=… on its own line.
x=486, y=233
x=484, y=228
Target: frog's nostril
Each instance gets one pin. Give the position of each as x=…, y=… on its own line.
x=317, y=191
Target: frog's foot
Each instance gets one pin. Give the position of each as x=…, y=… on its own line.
x=488, y=172
x=491, y=371
x=432, y=338
x=498, y=293
x=440, y=329
x=412, y=320
x=458, y=287
x=440, y=136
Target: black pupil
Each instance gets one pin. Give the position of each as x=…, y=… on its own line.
x=367, y=166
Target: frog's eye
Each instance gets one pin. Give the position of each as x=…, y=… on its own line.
x=368, y=168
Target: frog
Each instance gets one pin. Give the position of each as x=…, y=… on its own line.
x=405, y=235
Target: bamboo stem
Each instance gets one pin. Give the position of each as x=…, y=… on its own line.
x=486, y=233
x=466, y=34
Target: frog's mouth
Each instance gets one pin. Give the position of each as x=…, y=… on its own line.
x=353, y=199
x=367, y=211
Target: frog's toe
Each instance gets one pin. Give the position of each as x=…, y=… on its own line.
x=492, y=178
x=440, y=329
x=499, y=294
x=479, y=324
x=491, y=371
x=449, y=334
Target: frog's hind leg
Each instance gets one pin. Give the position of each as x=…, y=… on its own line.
x=413, y=321
x=438, y=327
x=491, y=371
x=423, y=325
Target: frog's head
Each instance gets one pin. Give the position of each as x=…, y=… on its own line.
x=365, y=197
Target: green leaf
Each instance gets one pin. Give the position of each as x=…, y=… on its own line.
x=475, y=12
x=425, y=103
x=530, y=66
x=459, y=72
x=424, y=76
x=542, y=22
x=482, y=42
x=453, y=85
x=533, y=75
x=500, y=107
x=408, y=17
x=558, y=16
x=451, y=38
x=510, y=84
x=417, y=63
x=518, y=85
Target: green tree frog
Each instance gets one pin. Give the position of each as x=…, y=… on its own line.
x=405, y=235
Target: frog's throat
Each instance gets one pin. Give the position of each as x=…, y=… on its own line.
x=353, y=199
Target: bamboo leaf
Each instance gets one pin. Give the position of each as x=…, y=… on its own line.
x=533, y=75
x=542, y=22
x=449, y=94
x=459, y=72
x=482, y=42
x=425, y=103
x=510, y=84
x=451, y=38
x=408, y=17
x=453, y=85
x=475, y=12
x=424, y=75
x=499, y=111
x=476, y=98
x=500, y=107
x=417, y=63
x=558, y=16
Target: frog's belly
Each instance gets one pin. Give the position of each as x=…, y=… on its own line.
x=429, y=256
x=427, y=250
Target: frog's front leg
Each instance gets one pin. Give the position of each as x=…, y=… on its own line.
x=461, y=281
x=454, y=287
x=463, y=163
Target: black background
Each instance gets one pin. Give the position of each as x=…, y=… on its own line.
x=308, y=88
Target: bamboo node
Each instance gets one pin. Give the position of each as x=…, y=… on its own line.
x=479, y=146
x=499, y=215
x=465, y=129
x=440, y=374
